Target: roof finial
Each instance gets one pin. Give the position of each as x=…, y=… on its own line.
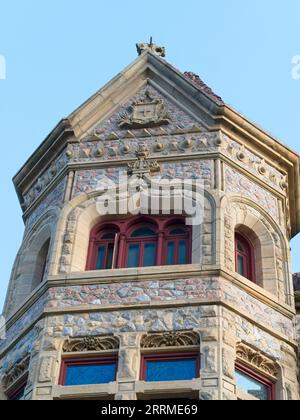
x=160, y=51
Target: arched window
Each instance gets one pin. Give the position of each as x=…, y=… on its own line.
x=41, y=264
x=244, y=257
x=139, y=242
x=102, y=249
x=177, y=245
x=141, y=247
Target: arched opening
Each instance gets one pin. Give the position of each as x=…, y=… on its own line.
x=41, y=264
x=142, y=241
x=248, y=255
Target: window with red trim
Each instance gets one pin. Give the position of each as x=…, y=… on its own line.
x=139, y=242
x=244, y=257
x=88, y=371
x=254, y=384
x=170, y=367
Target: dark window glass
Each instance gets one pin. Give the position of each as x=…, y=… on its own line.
x=149, y=254
x=171, y=253
x=171, y=370
x=90, y=374
x=182, y=257
x=133, y=256
x=101, y=258
x=245, y=265
x=252, y=386
x=143, y=233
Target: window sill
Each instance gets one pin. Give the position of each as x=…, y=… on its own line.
x=103, y=391
x=170, y=387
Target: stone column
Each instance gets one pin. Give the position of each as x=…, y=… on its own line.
x=128, y=369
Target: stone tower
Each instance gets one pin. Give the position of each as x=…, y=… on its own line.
x=116, y=293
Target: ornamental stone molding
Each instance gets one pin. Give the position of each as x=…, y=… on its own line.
x=83, y=344
x=170, y=339
x=16, y=372
x=145, y=113
x=256, y=359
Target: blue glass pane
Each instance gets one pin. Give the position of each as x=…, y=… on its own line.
x=171, y=370
x=142, y=233
x=90, y=374
x=149, y=255
x=133, y=256
x=170, y=253
x=241, y=267
x=252, y=386
x=110, y=255
x=100, y=259
x=182, y=253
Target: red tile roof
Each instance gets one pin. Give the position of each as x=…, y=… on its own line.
x=203, y=87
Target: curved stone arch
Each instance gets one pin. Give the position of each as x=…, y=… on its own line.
x=80, y=215
x=270, y=243
x=24, y=278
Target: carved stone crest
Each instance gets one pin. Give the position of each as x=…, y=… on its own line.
x=142, y=166
x=145, y=113
x=91, y=344
x=170, y=339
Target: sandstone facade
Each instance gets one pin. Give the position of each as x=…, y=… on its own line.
x=250, y=181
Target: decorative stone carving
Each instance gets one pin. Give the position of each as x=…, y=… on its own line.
x=170, y=339
x=45, y=371
x=160, y=51
x=91, y=344
x=143, y=166
x=147, y=112
x=16, y=372
x=256, y=359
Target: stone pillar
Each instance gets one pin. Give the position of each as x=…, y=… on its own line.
x=129, y=363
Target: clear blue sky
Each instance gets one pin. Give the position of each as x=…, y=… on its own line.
x=58, y=53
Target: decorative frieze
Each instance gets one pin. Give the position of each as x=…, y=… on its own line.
x=17, y=371
x=91, y=343
x=256, y=359
x=170, y=339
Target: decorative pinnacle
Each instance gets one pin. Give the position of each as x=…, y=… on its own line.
x=160, y=51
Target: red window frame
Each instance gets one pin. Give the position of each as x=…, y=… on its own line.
x=186, y=236
x=168, y=356
x=141, y=241
x=271, y=385
x=248, y=257
x=96, y=241
x=84, y=361
x=124, y=228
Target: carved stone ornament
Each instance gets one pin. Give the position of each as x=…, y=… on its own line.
x=257, y=360
x=144, y=46
x=16, y=372
x=170, y=339
x=143, y=166
x=145, y=113
x=91, y=344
